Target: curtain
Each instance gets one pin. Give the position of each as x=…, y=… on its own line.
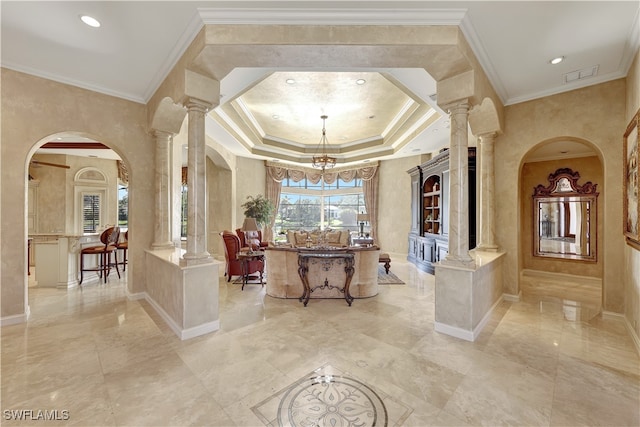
x=370, y=189
x=123, y=173
x=276, y=173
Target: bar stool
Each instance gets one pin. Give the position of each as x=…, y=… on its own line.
x=109, y=239
x=124, y=245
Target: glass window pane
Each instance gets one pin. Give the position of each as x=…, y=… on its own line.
x=90, y=213
x=123, y=207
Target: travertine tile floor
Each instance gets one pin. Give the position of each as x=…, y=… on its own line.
x=113, y=362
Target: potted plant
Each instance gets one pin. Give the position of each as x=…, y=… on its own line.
x=260, y=208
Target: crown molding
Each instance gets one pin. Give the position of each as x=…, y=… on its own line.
x=344, y=15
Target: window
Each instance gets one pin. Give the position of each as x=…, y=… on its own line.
x=183, y=212
x=94, y=205
x=123, y=207
x=183, y=204
x=304, y=205
x=90, y=213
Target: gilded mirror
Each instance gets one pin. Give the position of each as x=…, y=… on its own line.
x=565, y=218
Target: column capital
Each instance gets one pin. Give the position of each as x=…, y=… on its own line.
x=162, y=134
x=453, y=107
x=195, y=104
x=488, y=136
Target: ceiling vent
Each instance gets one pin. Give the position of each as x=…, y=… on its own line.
x=585, y=73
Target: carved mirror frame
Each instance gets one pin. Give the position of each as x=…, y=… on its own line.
x=563, y=189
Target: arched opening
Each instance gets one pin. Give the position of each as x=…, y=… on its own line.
x=77, y=187
x=560, y=275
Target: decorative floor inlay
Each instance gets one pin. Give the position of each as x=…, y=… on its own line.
x=329, y=398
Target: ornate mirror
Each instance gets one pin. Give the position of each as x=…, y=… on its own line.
x=565, y=218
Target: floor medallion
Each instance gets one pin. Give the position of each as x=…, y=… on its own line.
x=331, y=401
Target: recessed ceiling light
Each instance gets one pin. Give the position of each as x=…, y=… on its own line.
x=290, y=81
x=275, y=117
x=92, y=155
x=361, y=81
x=557, y=60
x=372, y=117
x=90, y=21
x=563, y=152
x=415, y=150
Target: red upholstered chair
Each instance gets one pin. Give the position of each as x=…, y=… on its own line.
x=109, y=239
x=231, y=250
x=255, y=237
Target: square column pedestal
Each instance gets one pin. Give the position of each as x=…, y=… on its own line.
x=466, y=297
x=186, y=297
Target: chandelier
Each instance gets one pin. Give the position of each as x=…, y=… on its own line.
x=323, y=160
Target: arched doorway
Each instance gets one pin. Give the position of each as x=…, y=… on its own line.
x=77, y=186
x=560, y=274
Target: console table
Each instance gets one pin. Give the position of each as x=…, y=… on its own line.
x=283, y=280
x=325, y=260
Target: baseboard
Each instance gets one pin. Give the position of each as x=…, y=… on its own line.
x=183, y=334
x=632, y=332
x=454, y=331
x=512, y=297
x=168, y=320
x=200, y=330
x=136, y=296
x=466, y=334
x=485, y=319
x=627, y=325
x=14, y=320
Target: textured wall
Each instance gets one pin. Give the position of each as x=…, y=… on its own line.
x=631, y=255
x=250, y=181
x=394, y=204
x=34, y=109
x=594, y=114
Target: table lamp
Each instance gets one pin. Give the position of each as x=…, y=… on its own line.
x=249, y=224
x=362, y=218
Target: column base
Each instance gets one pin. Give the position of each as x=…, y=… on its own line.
x=162, y=245
x=487, y=248
x=196, y=259
x=450, y=261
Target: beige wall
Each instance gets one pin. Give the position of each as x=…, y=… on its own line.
x=51, y=194
x=250, y=181
x=394, y=204
x=595, y=115
x=34, y=110
x=56, y=191
x=631, y=255
x=536, y=173
x=220, y=206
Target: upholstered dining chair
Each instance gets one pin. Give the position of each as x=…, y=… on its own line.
x=233, y=264
x=124, y=246
x=109, y=239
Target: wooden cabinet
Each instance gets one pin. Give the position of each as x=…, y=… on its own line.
x=429, y=234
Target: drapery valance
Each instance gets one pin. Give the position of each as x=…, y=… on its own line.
x=278, y=173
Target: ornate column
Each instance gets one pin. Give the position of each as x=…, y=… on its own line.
x=487, y=236
x=162, y=226
x=197, y=185
x=458, y=194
